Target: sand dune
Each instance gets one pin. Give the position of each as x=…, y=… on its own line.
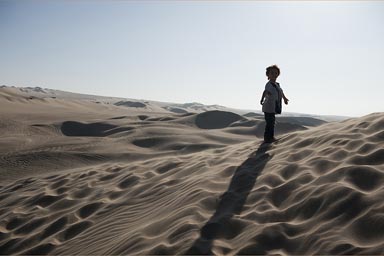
x=86, y=178
x=132, y=104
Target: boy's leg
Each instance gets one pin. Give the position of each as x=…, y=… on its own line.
x=273, y=126
x=269, y=126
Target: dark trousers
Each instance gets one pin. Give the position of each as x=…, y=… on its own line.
x=269, y=132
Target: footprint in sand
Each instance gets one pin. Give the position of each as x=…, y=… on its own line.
x=46, y=200
x=108, y=177
x=59, y=184
x=62, y=190
x=81, y=193
x=130, y=181
x=15, y=222
x=30, y=226
x=41, y=249
x=74, y=230
x=89, y=209
x=115, y=194
x=55, y=227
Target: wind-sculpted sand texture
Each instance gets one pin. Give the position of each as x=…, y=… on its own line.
x=115, y=181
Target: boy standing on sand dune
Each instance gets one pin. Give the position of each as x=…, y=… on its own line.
x=271, y=101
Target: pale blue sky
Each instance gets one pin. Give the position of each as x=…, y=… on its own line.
x=331, y=54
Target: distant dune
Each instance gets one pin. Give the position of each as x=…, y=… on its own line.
x=132, y=104
x=82, y=175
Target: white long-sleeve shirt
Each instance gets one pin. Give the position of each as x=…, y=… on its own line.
x=269, y=103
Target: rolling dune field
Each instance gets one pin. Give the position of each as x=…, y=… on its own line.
x=112, y=176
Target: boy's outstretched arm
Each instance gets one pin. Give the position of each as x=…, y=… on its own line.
x=285, y=99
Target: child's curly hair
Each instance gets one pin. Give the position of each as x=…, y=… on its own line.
x=272, y=67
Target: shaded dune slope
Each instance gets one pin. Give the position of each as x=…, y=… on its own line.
x=100, y=129
x=216, y=119
x=316, y=191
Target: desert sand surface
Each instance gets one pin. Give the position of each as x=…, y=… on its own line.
x=99, y=176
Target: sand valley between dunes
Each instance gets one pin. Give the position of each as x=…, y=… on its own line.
x=88, y=175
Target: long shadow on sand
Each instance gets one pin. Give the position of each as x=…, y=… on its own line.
x=231, y=202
